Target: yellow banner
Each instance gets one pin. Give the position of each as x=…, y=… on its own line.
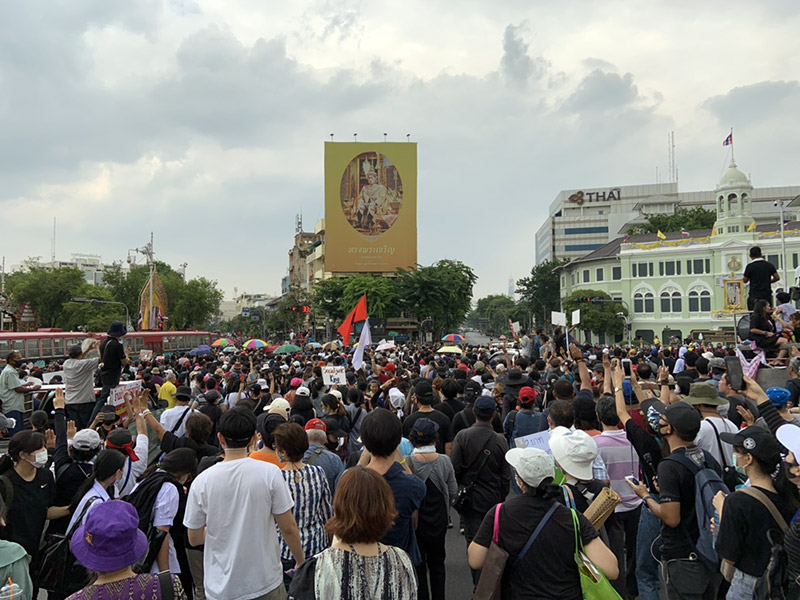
x=370, y=206
x=151, y=316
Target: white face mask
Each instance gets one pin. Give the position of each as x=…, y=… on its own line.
x=39, y=459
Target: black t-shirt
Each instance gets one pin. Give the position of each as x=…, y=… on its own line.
x=759, y=273
x=676, y=482
x=548, y=571
x=647, y=448
x=113, y=354
x=742, y=536
x=583, y=493
x=450, y=408
x=170, y=442
x=27, y=514
x=445, y=435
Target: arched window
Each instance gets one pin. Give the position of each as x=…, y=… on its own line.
x=705, y=301
x=671, y=301
x=665, y=306
x=699, y=301
x=638, y=303
x=677, y=302
x=644, y=302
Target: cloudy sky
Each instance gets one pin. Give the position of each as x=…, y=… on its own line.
x=205, y=121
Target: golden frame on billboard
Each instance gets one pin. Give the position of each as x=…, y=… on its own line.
x=370, y=206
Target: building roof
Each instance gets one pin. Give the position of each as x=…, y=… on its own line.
x=612, y=248
x=733, y=177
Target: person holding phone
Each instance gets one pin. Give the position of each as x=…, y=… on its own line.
x=762, y=329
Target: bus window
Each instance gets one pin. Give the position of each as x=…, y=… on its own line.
x=58, y=347
x=32, y=348
x=47, y=347
x=5, y=348
x=18, y=346
x=138, y=343
x=181, y=342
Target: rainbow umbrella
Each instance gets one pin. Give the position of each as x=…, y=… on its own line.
x=222, y=342
x=449, y=350
x=254, y=343
x=453, y=338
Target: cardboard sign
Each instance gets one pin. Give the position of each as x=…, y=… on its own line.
x=539, y=440
x=117, y=399
x=47, y=377
x=333, y=376
x=576, y=316
x=145, y=355
x=558, y=318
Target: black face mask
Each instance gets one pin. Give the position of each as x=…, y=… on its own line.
x=332, y=446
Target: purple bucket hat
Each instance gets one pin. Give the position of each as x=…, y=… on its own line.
x=110, y=538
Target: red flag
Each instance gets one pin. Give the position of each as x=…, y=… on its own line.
x=359, y=313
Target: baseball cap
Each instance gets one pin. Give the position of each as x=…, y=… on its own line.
x=279, y=406
x=789, y=436
x=683, y=417
x=296, y=363
x=396, y=398
x=472, y=390
x=303, y=391
x=423, y=389
x=479, y=366
x=575, y=452
x=316, y=424
x=527, y=395
x=756, y=441
x=332, y=427
x=533, y=465
x=485, y=406
x=390, y=367
x=424, y=429
x=336, y=393
x=296, y=382
x=86, y=439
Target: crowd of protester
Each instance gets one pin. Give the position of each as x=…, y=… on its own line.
x=244, y=476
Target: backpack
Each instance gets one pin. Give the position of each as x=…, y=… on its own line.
x=771, y=585
x=707, y=482
x=525, y=422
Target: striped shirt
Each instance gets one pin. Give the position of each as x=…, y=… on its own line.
x=621, y=460
x=312, y=509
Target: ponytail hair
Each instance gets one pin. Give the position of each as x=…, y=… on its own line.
x=108, y=462
x=27, y=441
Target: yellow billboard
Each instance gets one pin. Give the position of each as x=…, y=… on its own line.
x=370, y=206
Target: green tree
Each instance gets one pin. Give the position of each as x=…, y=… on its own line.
x=496, y=309
x=327, y=298
x=442, y=291
x=540, y=292
x=683, y=218
x=381, y=294
x=283, y=319
x=84, y=316
x=597, y=317
x=45, y=290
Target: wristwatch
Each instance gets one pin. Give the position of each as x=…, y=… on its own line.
x=617, y=390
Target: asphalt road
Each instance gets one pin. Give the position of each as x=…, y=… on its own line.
x=475, y=338
x=459, y=577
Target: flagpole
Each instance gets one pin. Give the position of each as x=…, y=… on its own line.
x=733, y=158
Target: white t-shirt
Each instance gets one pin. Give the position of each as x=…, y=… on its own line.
x=172, y=415
x=707, y=439
x=164, y=511
x=96, y=491
x=132, y=470
x=235, y=500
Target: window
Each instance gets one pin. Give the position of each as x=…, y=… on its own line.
x=689, y=267
x=586, y=276
x=599, y=274
x=563, y=281
x=31, y=348
x=582, y=247
x=794, y=260
x=669, y=267
x=661, y=268
x=616, y=273
x=677, y=302
x=58, y=347
x=584, y=230
x=573, y=278
x=643, y=302
x=697, y=266
x=47, y=347
x=665, y=306
x=773, y=258
x=699, y=301
x=633, y=270
x=708, y=265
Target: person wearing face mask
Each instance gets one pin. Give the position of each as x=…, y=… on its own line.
x=746, y=524
x=336, y=437
x=319, y=453
x=106, y=471
x=28, y=490
x=160, y=501
x=13, y=390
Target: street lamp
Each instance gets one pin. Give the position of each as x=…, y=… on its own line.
x=99, y=302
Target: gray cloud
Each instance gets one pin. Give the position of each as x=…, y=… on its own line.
x=750, y=104
x=600, y=92
x=516, y=65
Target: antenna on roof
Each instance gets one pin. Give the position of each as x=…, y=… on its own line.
x=53, y=243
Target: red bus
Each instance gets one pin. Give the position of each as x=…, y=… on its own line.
x=52, y=344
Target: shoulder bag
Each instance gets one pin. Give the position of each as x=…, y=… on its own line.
x=463, y=499
x=594, y=585
x=56, y=569
x=730, y=474
x=490, y=582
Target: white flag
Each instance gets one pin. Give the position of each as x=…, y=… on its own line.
x=363, y=341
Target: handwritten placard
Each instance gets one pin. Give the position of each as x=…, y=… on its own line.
x=539, y=440
x=333, y=376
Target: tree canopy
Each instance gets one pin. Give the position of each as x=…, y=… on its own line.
x=540, y=292
x=597, y=317
x=683, y=218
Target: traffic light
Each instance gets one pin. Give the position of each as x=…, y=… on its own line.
x=306, y=308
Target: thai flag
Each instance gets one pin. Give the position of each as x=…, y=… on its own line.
x=685, y=233
x=728, y=140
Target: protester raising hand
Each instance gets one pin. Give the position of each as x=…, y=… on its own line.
x=59, y=400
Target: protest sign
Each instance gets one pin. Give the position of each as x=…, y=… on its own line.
x=117, y=396
x=539, y=440
x=333, y=376
x=558, y=318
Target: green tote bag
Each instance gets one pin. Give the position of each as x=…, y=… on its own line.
x=594, y=585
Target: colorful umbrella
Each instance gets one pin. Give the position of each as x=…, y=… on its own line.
x=313, y=345
x=287, y=349
x=453, y=338
x=200, y=350
x=272, y=348
x=385, y=346
x=449, y=350
x=335, y=345
x=229, y=349
x=254, y=343
x=222, y=342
